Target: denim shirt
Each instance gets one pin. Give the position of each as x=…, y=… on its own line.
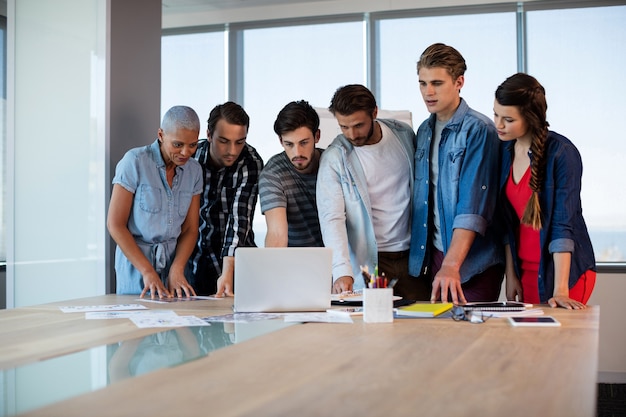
x=467, y=190
x=563, y=227
x=344, y=206
x=158, y=210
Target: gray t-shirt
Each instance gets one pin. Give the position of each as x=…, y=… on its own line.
x=434, y=179
x=281, y=185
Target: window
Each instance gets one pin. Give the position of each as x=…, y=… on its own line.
x=487, y=42
x=577, y=55
x=309, y=59
x=302, y=62
x=193, y=73
x=305, y=62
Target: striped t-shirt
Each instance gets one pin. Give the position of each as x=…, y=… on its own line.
x=281, y=185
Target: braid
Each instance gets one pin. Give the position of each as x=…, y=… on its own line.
x=532, y=213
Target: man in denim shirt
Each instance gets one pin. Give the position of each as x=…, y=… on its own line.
x=453, y=239
x=364, y=194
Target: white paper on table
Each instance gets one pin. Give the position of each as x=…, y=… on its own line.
x=111, y=307
x=177, y=299
x=150, y=320
x=243, y=317
x=105, y=315
x=318, y=317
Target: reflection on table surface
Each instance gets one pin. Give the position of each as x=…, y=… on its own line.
x=42, y=383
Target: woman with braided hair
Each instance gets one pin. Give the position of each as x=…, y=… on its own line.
x=549, y=257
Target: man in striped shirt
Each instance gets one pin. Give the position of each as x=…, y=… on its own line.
x=287, y=183
x=231, y=171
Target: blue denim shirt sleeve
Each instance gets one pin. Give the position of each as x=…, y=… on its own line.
x=563, y=187
x=478, y=182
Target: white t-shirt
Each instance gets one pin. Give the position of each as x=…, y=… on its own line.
x=388, y=174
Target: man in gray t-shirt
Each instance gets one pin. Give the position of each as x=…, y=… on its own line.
x=287, y=182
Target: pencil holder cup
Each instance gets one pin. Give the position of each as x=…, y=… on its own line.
x=378, y=305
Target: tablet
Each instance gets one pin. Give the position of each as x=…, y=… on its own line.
x=542, y=321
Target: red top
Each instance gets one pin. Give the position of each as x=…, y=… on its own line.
x=528, y=243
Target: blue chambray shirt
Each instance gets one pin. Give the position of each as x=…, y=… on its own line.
x=467, y=190
x=157, y=213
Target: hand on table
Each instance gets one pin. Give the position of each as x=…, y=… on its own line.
x=152, y=282
x=447, y=280
x=565, y=302
x=343, y=284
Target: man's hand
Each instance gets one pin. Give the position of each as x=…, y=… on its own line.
x=225, y=286
x=225, y=281
x=448, y=279
x=343, y=284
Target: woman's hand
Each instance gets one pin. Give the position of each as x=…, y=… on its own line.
x=565, y=302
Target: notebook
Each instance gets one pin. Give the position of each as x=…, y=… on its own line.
x=497, y=306
x=423, y=309
x=282, y=279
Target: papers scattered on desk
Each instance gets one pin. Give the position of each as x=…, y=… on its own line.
x=288, y=317
x=112, y=307
x=155, y=320
x=176, y=299
x=242, y=317
x=107, y=315
x=318, y=318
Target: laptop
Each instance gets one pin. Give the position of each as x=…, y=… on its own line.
x=282, y=279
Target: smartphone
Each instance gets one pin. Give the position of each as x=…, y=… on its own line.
x=541, y=321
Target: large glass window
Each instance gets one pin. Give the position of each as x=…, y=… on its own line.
x=303, y=62
x=307, y=62
x=487, y=42
x=568, y=50
x=193, y=72
x=578, y=56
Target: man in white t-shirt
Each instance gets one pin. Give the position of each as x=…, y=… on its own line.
x=364, y=189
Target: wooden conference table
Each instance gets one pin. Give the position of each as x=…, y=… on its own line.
x=406, y=368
